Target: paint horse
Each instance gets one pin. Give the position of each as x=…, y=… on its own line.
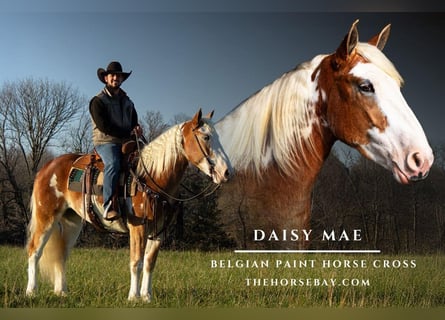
x=57, y=213
x=278, y=139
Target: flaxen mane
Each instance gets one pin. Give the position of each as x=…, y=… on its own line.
x=160, y=154
x=270, y=122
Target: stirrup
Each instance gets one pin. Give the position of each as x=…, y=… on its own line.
x=114, y=215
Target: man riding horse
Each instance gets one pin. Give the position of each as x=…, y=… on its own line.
x=114, y=119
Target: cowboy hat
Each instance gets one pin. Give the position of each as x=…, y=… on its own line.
x=113, y=68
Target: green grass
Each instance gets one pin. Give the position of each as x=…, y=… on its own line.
x=100, y=278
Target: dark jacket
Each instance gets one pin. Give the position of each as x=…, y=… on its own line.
x=113, y=117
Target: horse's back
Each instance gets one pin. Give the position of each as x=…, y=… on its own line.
x=55, y=170
x=68, y=158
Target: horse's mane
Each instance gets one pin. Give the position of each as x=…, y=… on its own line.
x=275, y=123
x=161, y=153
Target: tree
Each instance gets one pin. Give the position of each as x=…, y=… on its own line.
x=153, y=124
x=32, y=114
x=79, y=137
x=37, y=111
x=356, y=193
x=179, y=118
x=199, y=223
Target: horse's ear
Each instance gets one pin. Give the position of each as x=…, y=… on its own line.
x=349, y=42
x=379, y=40
x=210, y=115
x=197, y=119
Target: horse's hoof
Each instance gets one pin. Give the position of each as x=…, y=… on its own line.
x=62, y=294
x=30, y=293
x=132, y=298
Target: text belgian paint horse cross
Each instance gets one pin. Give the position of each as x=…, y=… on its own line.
x=278, y=139
x=57, y=215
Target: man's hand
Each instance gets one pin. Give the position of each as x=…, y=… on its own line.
x=137, y=131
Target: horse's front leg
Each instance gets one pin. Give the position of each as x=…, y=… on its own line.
x=151, y=253
x=137, y=246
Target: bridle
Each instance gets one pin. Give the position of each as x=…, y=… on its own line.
x=204, y=153
x=143, y=185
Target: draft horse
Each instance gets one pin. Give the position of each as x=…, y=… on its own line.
x=278, y=139
x=58, y=214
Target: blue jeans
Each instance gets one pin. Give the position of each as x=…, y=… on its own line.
x=111, y=155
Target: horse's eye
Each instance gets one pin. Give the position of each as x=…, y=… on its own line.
x=206, y=137
x=366, y=87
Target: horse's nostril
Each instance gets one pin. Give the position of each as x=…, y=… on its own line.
x=227, y=174
x=415, y=161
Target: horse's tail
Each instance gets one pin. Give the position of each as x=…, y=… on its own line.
x=54, y=254
x=48, y=255
x=32, y=223
x=60, y=239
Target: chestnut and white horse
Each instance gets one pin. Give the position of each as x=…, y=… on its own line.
x=57, y=213
x=278, y=139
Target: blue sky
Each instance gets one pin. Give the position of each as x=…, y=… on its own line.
x=188, y=58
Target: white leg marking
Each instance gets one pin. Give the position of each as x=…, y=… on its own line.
x=151, y=253
x=32, y=275
x=135, y=271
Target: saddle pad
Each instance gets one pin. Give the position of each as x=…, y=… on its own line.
x=76, y=176
x=76, y=179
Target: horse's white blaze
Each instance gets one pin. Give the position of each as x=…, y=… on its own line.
x=217, y=156
x=403, y=136
x=221, y=160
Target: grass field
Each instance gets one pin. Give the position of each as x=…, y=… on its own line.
x=100, y=278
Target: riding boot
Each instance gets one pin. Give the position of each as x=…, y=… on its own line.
x=110, y=213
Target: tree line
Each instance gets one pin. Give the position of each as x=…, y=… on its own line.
x=392, y=217
x=40, y=119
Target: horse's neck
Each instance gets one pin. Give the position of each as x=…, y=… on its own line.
x=169, y=179
x=163, y=162
x=277, y=125
x=304, y=159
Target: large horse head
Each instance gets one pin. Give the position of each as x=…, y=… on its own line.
x=360, y=101
x=202, y=148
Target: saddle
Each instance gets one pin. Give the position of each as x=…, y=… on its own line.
x=86, y=177
x=92, y=165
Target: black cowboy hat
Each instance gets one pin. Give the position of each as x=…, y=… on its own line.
x=113, y=68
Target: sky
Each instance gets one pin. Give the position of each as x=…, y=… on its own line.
x=187, y=57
